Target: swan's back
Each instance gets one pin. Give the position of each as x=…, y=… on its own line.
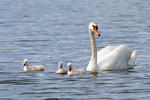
x=114, y=58
x=37, y=67
x=104, y=51
x=76, y=71
x=61, y=71
x=34, y=68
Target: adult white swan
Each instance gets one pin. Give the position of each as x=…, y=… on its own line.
x=111, y=57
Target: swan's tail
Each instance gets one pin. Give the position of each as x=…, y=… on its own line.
x=132, y=59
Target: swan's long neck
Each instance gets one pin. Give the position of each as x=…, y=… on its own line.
x=92, y=67
x=93, y=46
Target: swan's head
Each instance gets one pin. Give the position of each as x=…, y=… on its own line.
x=69, y=65
x=94, y=28
x=60, y=64
x=25, y=61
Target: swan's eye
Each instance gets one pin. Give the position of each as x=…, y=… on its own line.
x=25, y=64
x=61, y=66
x=95, y=27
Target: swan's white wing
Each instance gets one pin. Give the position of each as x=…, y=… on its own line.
x=113, y=58
x=104, y=51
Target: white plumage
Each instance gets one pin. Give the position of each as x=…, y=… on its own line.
x=111, y=57
x=115, y=58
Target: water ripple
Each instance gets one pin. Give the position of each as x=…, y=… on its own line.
x=46, y=32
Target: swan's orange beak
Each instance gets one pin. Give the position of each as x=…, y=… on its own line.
x=97, y=32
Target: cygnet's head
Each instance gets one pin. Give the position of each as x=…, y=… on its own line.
x=69, y=65
x=94, y=28
x=25, y=62
x=60, y=64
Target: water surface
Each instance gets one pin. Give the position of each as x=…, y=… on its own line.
x=47, y=31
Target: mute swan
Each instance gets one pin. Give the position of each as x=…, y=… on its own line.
x=61, y=70
x=111, y=57
x=32, y=68
x=74, y=72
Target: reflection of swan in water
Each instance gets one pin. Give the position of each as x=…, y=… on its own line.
x=74, y=72
x=32, y=68
x=111, y=57
x=61, y=70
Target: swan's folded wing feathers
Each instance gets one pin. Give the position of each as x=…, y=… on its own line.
x=106, y=50
x=115, y=59
x=132, y=59
x=37, y=67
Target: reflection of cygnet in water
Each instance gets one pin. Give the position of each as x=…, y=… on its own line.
x=32, y=68
x=61, y=70
x=74, y=72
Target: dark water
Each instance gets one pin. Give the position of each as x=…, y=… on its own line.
x=47, y=31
